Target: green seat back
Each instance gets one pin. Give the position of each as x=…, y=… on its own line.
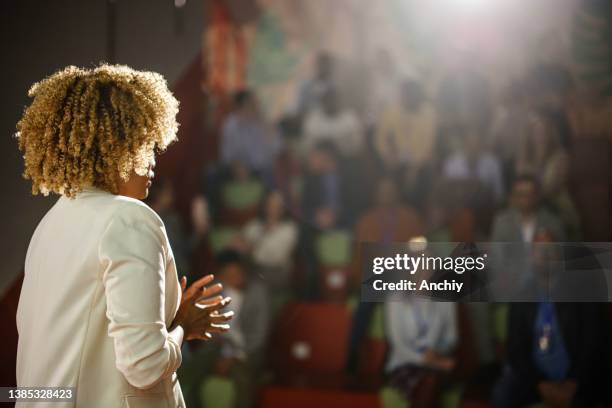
x=333, y=248
x=241, y=195
x=220, y=238
x=218, y=392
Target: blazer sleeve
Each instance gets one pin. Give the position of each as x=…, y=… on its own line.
x=133, y=251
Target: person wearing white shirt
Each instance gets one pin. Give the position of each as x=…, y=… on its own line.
x=334, y=124
x=474, y=163
x=271, y=241
x=422, y=335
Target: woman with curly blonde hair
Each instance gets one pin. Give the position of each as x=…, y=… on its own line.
x=101, y=308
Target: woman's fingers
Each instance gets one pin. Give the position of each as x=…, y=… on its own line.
x=208, y=301
x=221, y=318
x=198, y=285
x=218, y=328
x=208, y=291
x=214, y=306
x=183, y=283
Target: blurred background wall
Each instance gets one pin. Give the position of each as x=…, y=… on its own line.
x=40, y=37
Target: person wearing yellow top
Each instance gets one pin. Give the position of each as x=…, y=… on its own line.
x=406, y=132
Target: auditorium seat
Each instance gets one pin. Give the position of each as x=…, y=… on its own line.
x=333, y=252
x=241, y=202
x=278, y=397
x=221, y=237
x=334, y=283
x=218, y=392
x=309, y=344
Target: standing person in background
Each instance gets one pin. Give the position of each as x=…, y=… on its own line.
x=311, y=91
x=385, y=83
x=333, y=123
x=542, y=154
x=247, y=139
x=509, y=127
x=473, y=162
x=406, y=136
x=101, y=307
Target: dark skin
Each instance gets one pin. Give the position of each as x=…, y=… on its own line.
x=198, y=316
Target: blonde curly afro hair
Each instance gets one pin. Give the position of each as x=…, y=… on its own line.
x=93, y=127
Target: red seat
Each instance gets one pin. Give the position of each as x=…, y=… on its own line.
x=334, y=283
x=310, y=342
x=372, y=357
x=276, y=397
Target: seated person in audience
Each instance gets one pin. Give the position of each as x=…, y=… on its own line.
x=473, y=162
x=555, y=351
x=422, y=335
x=405, y=136
x=387, y=222
x=335, y=124
x=323, y=190
x=525, y=217
x=239, y=354
x=247, y=138
x=542, y=154
x=323, y=208
x=271, y=240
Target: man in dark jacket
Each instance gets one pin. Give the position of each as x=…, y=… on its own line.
x=556, y=354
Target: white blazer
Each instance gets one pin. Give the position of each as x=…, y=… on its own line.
x=99, y=293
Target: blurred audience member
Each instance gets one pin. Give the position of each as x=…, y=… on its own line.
x=388, y=221
x=323, y=194
x=246, y=138
x=405, y=135
x=543, y=155
x=335, y=124
x=271, y=240
x=422, y=335
x=384, y=85
x=463, y=100
x=551, y=86
x=525, y=218
x=242, y=347
x=474, y=162
x=555, y=354
x=311, y=91
x=510, y=126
